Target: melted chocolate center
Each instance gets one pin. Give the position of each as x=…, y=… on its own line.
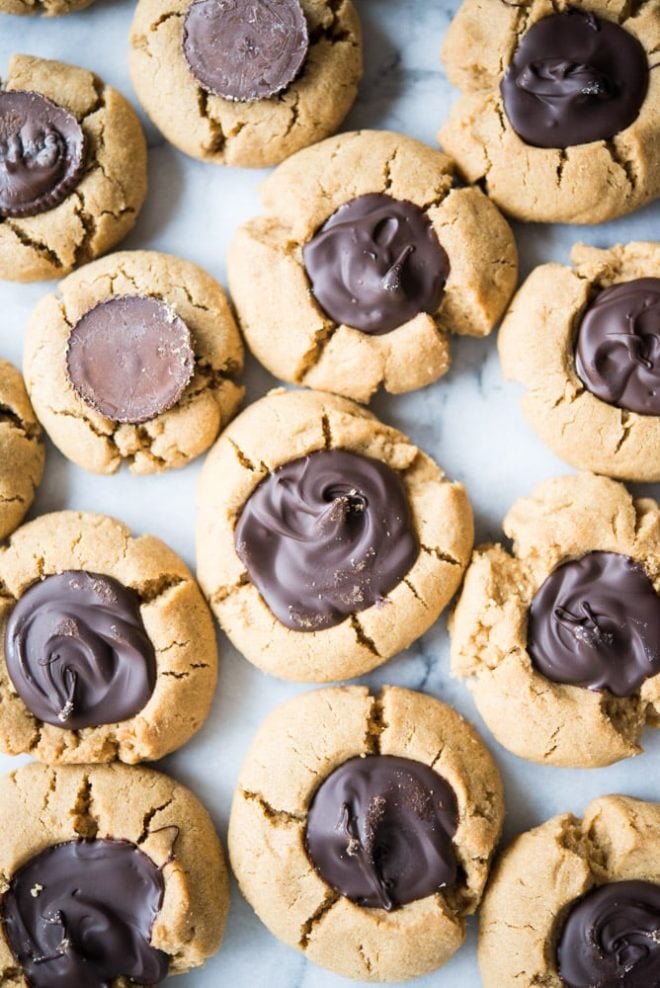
x=379, y=831
x=611, y=938
x=245, y=49
x=376, y=264
x=618, y=346
x=595, y=622
x=80, y=915
x=326, y=536
x=574, y=78
x=42, y=154
x=77, y=651
x=130, y=358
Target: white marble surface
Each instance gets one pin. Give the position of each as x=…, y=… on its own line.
x=469, y=421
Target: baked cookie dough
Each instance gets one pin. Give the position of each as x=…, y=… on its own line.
x=212, y=101
x=585, y=344
x=560, y=112
x=366, y=259
x=326, y=541
x=134, y=360
x=75, y=190
x=362, y=829
x=110, y=875
x=107, y=649
x=577, y=902
x=49, y=8
x=21, y=450
x=559, y=641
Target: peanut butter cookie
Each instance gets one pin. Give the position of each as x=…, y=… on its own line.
x=362, y=829
x=110, y=875
x=107, y=649
x=246, y=83
x=560, y=112
x=134, y=360
x=560, y=641
x=78, y=168
x=21, y=450
x=326, y=541
x=585, y=344
x=366, y=259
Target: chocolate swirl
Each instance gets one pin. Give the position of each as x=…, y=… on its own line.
x=611, y=938
x=574, y=79
x=379, y=831
x=80, y=915
x=77, y=651
x=245, y=50
x=595, y=622
x=130, y=358
x=326, y=536
x=42, y=154
x=376, y=264
x=618, y=346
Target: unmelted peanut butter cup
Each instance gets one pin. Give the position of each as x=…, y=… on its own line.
x=376, y=263
x=611, y=938
x=130, y=358
x=595, y=622
x=574, y=78
x=77, y=651
x=42, y=154
x=379, y=831
x=80, y=915
x=618, y=346
x=245, y=50
x=325, y=536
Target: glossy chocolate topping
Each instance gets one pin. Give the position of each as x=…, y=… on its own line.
x=77, y=651
x=326, y=536
x=245, y=49
x=574, y=78
x=611, y=938
x=595, y=622
x=376, y=263
x=130, y=358
x=80, y=914
x=618, y=346
x=42, y=154
x=379, y=831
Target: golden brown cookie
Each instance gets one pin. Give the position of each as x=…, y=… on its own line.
x=99, y=140
x=89, y=391
x=250, y=132
x=139, y=849
x=355, y=536
x=568, y=896
x=21, y=450
x=382, y=742
x=107, y=649
x=49, y=8
x=444, y=261
x=571, y=182
x=588, y=355
x=558, y=640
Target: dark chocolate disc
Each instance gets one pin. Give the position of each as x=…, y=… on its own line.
x=574, y=78
x=611, y=938
x=618, y=346
x=326, y=536
x=77, y=651
x=80, y=915
x=42, y=153
x=376, y=264
x=379, y=831
x=595, y=622
x=130, y=358
x=245, y=49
